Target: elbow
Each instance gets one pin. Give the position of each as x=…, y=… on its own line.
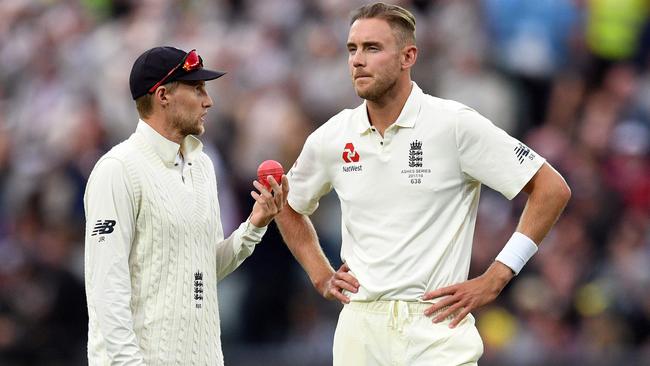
x=558, y=188
x=563, y=194
x=553, y=191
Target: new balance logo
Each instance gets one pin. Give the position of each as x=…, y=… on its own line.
x=522, y=151
x=105, y=227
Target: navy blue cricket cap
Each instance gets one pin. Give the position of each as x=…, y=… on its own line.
x=153, y=66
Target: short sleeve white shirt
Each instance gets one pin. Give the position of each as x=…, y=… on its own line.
x=409, y=199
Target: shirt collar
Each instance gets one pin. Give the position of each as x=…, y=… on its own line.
x=168, y=150
x=406, y=118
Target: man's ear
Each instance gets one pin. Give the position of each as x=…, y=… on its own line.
x=161, y=96
x=409, y=56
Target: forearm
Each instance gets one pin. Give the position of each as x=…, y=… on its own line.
x=301, y=239
x=548, y=195
x=232, y=251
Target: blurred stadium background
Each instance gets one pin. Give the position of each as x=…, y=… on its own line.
x=571, y=78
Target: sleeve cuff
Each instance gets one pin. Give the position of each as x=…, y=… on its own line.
x=253, y=233
x=296, y=206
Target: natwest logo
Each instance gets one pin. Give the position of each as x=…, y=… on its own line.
x=349, y=154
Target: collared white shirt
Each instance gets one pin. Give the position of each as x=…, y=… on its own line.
x=137, y=215
x=176, y=157
x=409, y=199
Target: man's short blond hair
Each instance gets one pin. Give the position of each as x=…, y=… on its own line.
x=144, y=104
x=401, y=21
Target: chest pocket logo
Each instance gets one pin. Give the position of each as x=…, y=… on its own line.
x=415, y=154
x=349, y=154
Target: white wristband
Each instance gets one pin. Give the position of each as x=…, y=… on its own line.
x=517, y=251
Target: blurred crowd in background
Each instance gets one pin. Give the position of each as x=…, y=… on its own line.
x=570, y=78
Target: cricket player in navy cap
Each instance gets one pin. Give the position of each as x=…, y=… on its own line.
x=154, y=244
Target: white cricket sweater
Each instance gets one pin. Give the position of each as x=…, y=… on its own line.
x=154, y=252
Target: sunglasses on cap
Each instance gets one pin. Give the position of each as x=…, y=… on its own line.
x=192, y=61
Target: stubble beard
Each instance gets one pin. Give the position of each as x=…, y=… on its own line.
x=378, y=91
x=186, y=125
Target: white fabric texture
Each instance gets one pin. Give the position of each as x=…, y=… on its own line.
x=408, y=199
x=387, y=333
x=154, y=252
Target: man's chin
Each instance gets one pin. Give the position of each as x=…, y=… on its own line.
x=361, y=91
x=196, y=131
x=364, y=93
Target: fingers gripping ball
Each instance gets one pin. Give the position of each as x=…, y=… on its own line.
x=272, y=168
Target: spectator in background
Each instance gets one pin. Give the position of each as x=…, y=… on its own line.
x=463, y=74
x=613, y=31
x=531, y=44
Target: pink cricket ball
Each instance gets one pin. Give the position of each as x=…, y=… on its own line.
x=272, y=168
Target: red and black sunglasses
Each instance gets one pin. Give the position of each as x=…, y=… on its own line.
x=192, y=61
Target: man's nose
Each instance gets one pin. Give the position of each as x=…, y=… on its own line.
x=207, y=103
x=358, y=59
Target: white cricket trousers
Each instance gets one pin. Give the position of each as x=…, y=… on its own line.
x=397, y=333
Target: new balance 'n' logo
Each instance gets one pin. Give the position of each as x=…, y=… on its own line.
x=522, y=151
x=105, y=227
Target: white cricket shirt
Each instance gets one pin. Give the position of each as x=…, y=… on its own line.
x=409, y=200
x=154, y=251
